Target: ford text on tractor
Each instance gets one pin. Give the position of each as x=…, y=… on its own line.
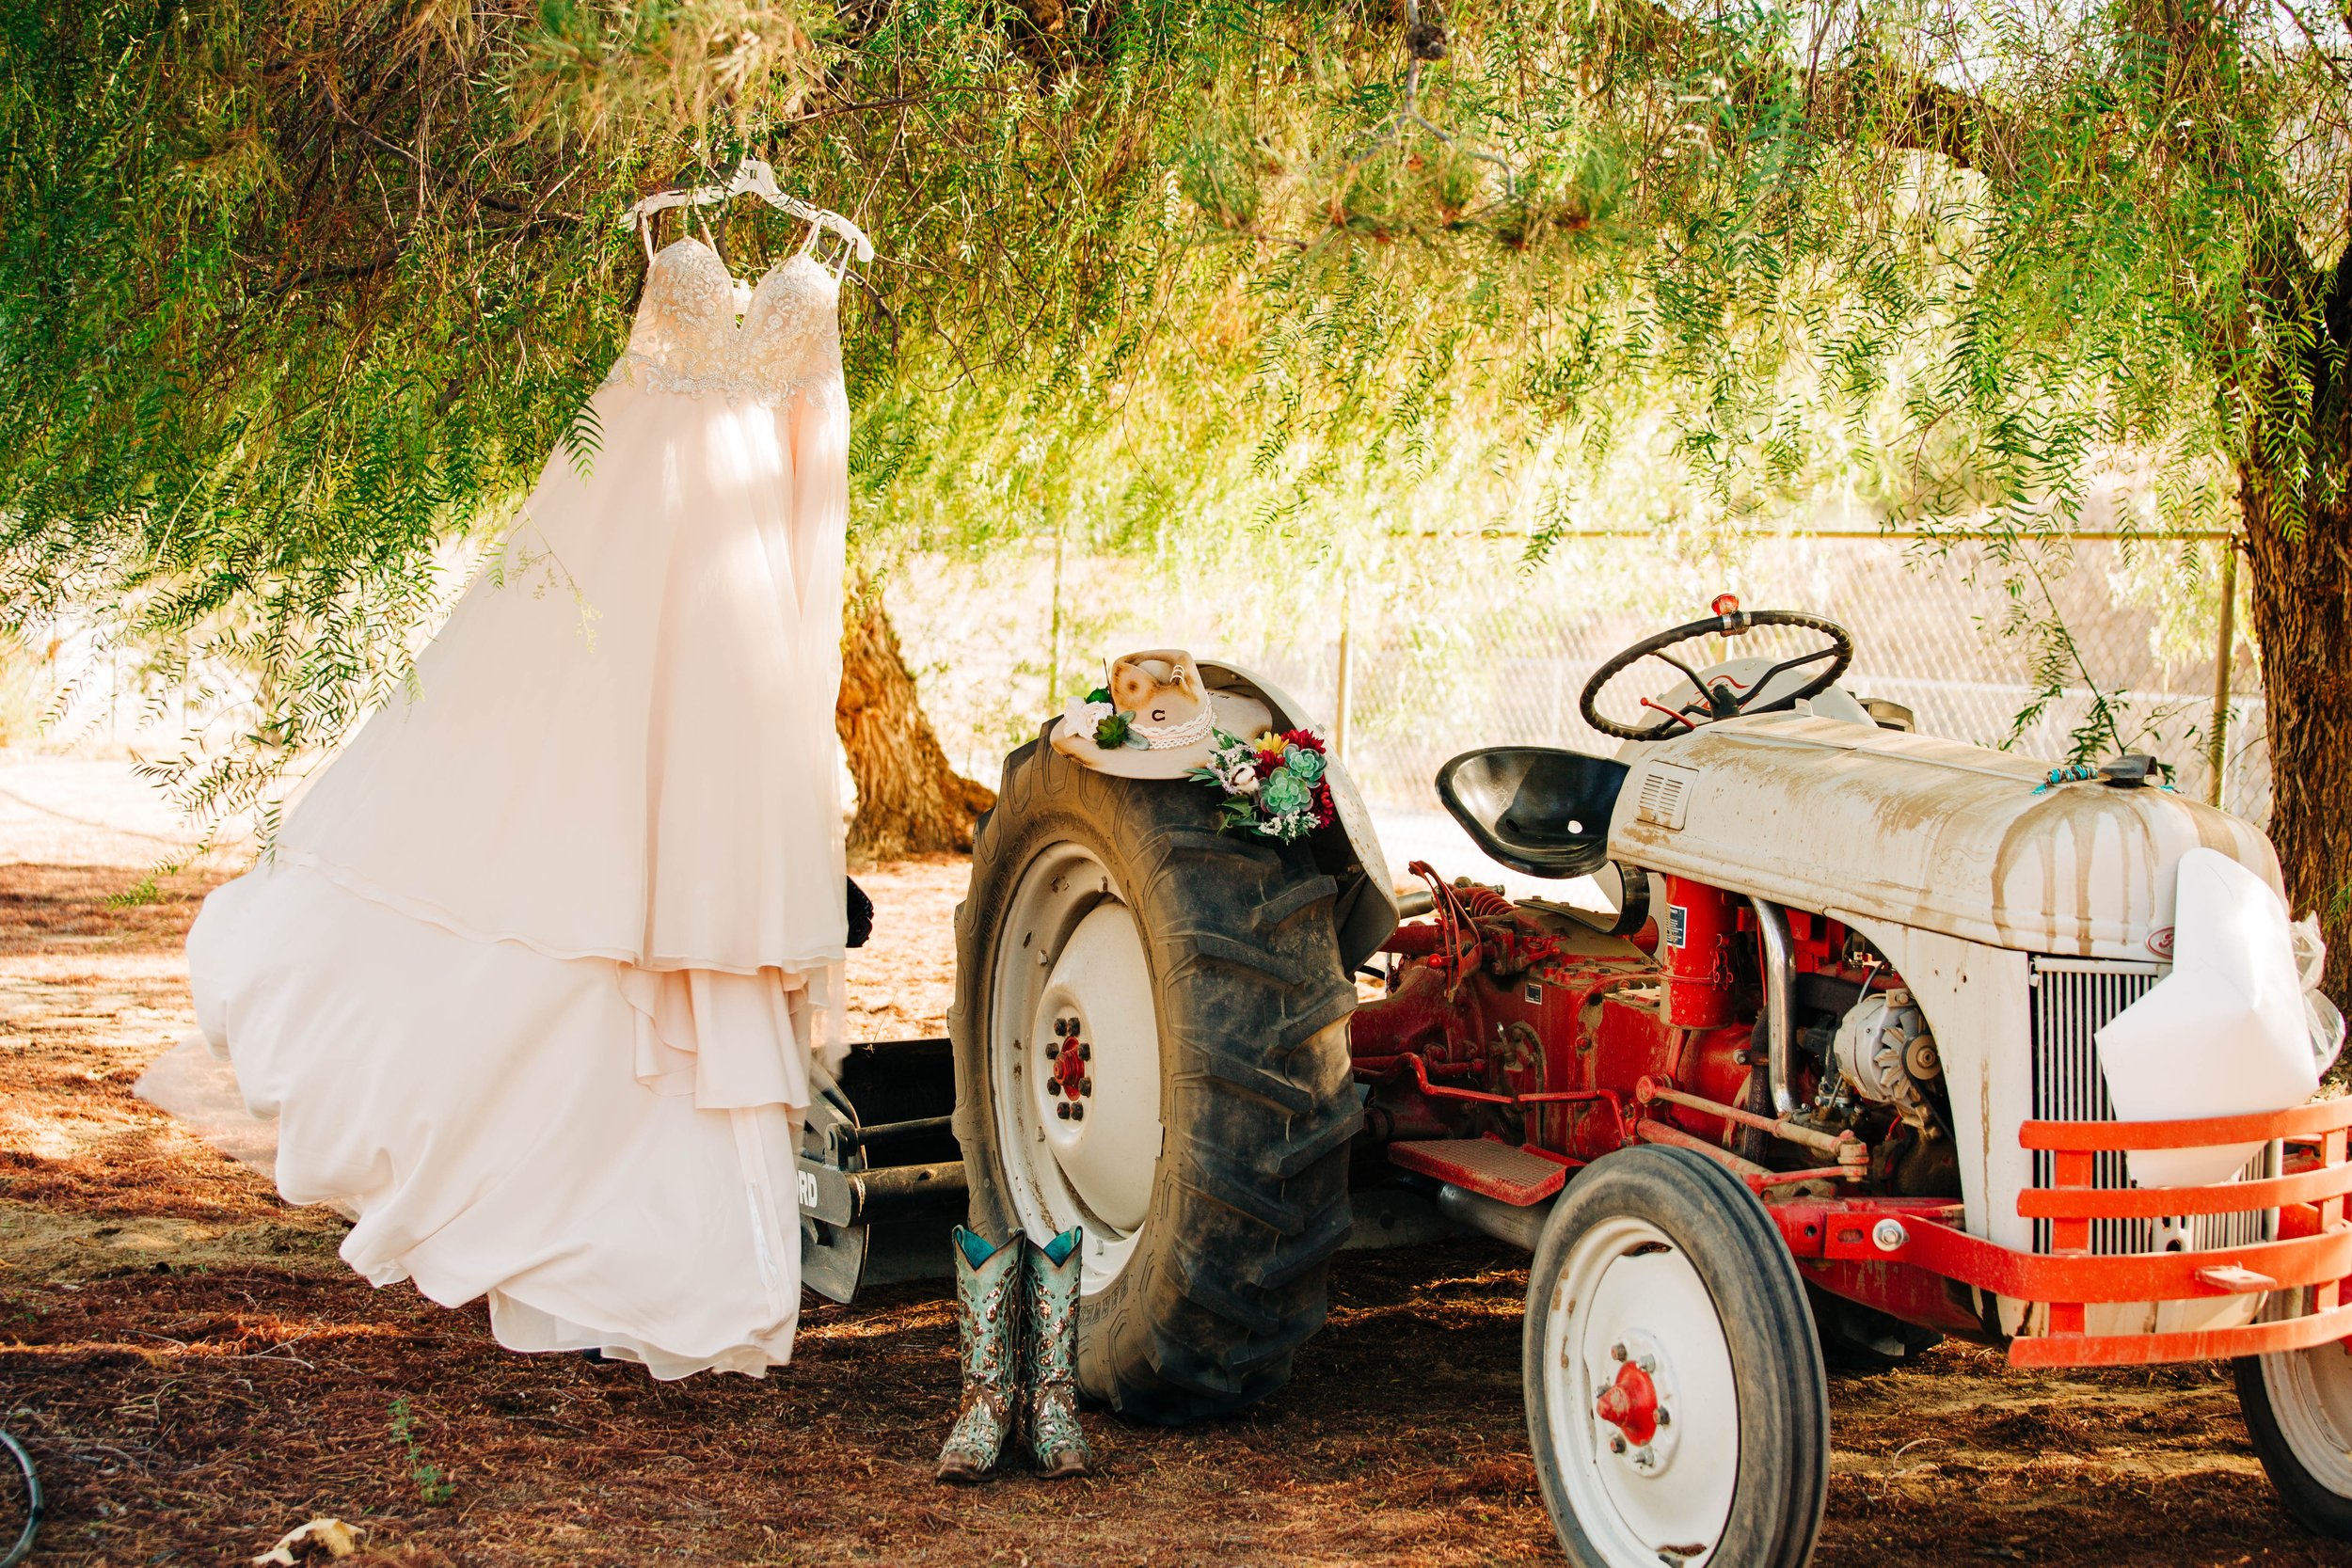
x=1837, y=1036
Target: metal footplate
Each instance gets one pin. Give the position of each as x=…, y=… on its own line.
x=1516, y=1175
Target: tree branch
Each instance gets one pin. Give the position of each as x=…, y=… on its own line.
x=444, y=177
x=1867, y=100
x=339, y=272
x=1877, y=103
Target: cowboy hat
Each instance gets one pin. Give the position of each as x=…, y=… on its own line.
x=1170, y=719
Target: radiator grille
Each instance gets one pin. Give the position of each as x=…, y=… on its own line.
x=2072, y=998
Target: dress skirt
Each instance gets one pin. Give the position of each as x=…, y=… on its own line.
x=537, y=973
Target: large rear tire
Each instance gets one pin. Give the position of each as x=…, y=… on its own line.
x=1203, y=1140
x=2298, y=1411
x=1676, y=1402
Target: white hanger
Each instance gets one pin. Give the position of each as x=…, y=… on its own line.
x=752, y=177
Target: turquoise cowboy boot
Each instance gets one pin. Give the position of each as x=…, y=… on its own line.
x=1049, y=1394
x=988, y=1317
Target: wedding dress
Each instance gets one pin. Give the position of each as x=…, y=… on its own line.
x=535, y=976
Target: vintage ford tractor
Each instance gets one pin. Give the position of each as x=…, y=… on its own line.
x=1812, y=1053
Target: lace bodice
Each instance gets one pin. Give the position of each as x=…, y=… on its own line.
x=687, y=339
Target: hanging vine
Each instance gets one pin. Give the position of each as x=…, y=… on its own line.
x=292, y=293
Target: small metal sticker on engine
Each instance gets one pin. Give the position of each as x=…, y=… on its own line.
x=1678, y=924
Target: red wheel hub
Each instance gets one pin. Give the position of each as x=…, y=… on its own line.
x=1067, y=1056
x=1070, y=1068
x=1630, y=1405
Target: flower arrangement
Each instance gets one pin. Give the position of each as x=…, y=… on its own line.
x=1275, y=786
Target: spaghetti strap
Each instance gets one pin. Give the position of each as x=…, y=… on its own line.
x=808, y=248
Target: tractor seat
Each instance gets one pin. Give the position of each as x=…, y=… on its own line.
x=1543, y=810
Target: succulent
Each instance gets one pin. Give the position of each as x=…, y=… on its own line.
x=1284, y=792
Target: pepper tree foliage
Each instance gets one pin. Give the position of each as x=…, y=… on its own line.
x=293, y=291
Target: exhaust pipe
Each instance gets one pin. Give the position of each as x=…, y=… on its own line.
x=1780, y=1011
x=1488, y=1216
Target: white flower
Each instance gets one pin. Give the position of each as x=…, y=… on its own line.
x=1081, y=716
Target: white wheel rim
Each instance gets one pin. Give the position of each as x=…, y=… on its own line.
x=1628, y=1311
x=2310, y=1398
x=1071, y=953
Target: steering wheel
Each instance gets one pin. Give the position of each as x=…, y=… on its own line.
x=1725, y=699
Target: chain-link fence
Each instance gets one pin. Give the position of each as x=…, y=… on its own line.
x=1433, y=643
x=1983, y=642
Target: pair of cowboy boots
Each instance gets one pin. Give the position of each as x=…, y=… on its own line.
x=1017, y=1310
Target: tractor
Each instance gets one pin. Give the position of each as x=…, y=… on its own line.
x=1810, y=1056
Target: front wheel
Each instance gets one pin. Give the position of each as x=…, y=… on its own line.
x=2299, y=1411
x=1676, y=1401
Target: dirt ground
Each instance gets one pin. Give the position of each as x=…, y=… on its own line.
x=196, y=1372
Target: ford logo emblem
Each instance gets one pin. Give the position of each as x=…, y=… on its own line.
x=2160, y=941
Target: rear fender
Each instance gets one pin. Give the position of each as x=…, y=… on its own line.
x=1348, y=849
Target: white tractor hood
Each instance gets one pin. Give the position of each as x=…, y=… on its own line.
x=1826, y=814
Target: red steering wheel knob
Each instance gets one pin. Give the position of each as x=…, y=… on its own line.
x=1725, y=604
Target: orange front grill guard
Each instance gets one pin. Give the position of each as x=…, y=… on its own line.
x=2313, y=1248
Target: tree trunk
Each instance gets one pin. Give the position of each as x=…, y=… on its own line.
x=2300, y=590
x=908, y=800
x=2301, y=595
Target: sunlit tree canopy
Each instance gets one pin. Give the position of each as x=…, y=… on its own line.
x=291, y=292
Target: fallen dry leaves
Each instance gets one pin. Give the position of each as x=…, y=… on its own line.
x=196, y=1372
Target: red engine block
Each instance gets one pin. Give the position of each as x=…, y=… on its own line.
x=1517, y=1021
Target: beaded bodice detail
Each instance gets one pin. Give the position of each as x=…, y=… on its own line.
x=687, y=338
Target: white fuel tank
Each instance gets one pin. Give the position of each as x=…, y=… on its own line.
x=1934, y=834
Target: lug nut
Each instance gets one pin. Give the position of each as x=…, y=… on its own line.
x=1616, y=1352
x=1665, y=1418
x=1616, y=1444
x=1061, y=1109
x=1053, y=1085
x=1053, y=1049
x=1086, y=1052
x=1647, y=1363
x=1077, y=1113
x=1086, y=1085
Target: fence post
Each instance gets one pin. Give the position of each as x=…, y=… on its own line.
x=1345, y=701
x=2225, y=651
x=1052, y=632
